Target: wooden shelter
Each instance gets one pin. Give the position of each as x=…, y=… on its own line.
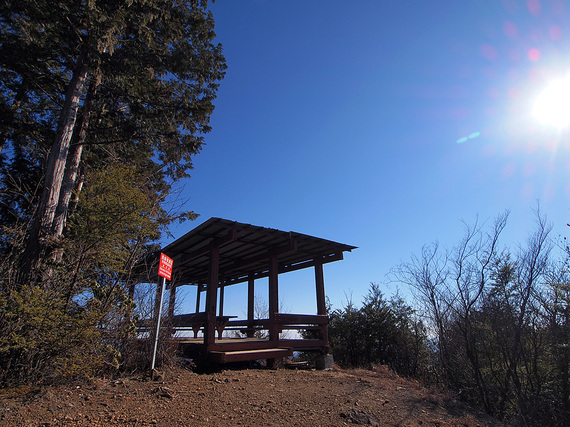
x=221, y=253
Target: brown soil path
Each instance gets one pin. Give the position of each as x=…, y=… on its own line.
x=243, y=397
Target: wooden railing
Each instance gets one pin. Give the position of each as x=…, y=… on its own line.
x=284, y=321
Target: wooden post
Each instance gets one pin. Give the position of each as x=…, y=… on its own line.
x=320, y=284
x=250, y=305
x=198, y=292
x=171, y=306
x=273, y=299
x=221, y=309
x=321, y=302
x=211, y=297
x=157, y=298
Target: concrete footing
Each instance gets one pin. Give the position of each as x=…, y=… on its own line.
x=324, y=362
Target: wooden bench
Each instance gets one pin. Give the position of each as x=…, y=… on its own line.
x=197, y=321
x=301, y=321
x=308, y=322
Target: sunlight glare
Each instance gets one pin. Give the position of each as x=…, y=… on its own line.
x=552, y=106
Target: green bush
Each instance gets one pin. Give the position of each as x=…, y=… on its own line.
x=43, y=338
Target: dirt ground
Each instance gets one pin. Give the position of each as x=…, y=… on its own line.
x=241, y=397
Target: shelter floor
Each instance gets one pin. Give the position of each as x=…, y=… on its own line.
x=241, y=344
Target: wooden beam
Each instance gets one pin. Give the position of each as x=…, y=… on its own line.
x=284, y=268
x=224, y=240
x=219, y=242
x=238, y=265
x=312, y=262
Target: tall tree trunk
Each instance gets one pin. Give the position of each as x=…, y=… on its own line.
x=74, y=159
x=69, y=180
x=42, y=226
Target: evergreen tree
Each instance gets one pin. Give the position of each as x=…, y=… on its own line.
x=380, y=332
x=103, y=103
x=87, y=83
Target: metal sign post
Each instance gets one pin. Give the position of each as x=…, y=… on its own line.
x=158, y=324
x=165, y=272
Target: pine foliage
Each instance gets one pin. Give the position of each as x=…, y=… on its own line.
x=103, y=104
x=380, y=332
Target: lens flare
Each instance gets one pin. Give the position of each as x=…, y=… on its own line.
x=466, y=138
x=489, y=52
x=533, y=7
x=534, y=55
x=510, y=30
x=555, y=32
x=552, y=106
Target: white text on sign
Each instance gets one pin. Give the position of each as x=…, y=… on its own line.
x=165, y=267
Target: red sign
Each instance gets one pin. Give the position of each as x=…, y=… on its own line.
x=165, y=267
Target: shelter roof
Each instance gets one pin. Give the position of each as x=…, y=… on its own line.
x=244, y=250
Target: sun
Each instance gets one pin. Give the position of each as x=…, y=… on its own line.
x=552, y=106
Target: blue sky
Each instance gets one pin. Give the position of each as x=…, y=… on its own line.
x=350, y=121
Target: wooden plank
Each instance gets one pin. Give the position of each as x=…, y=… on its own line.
x=242, y=356
x=241, y=345
x=297, y=319
x=255, y=322
x=303, y=345
x=188, y=319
